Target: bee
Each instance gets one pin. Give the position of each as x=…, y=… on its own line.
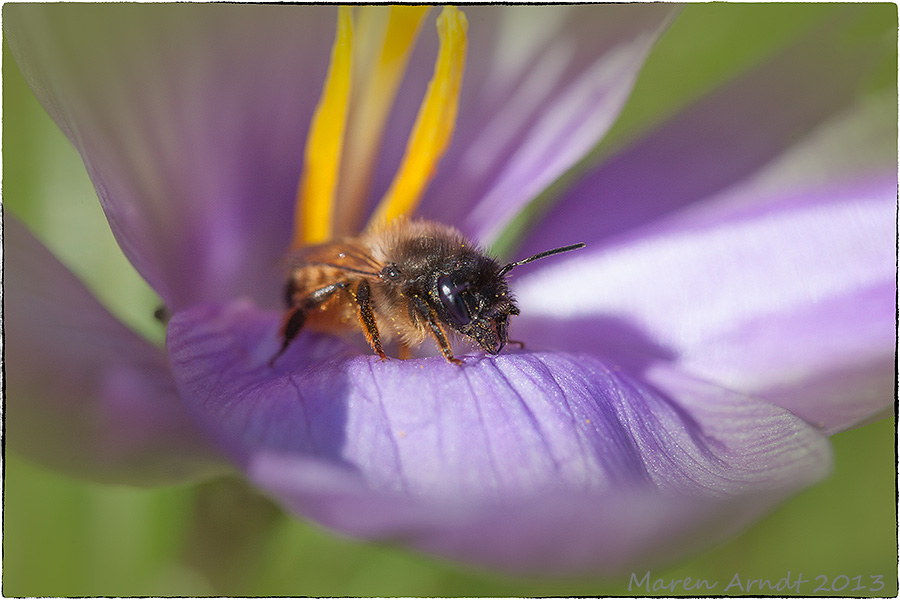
x=410, y=279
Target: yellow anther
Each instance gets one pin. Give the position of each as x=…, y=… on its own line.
x=322, y=159
x=434, y=124
x=385, y=37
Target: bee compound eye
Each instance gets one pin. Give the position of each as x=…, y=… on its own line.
x=391, y=271
x=452, y=300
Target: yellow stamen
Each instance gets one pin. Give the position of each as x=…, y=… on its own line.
x=315, y=196
x=434, y=123
x=385, y=38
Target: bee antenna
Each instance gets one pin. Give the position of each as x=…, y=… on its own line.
x=538, y=256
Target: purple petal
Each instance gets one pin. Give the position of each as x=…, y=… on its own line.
x=85, y=394
x=191, y=120
x=542, y=86
x=719, y=142
x=755, y=257
x=791, y=299
x=497, y=462
x=561, y=136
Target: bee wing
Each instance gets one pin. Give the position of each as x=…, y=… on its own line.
x=346, y=256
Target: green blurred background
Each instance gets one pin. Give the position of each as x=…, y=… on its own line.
x=64, y=537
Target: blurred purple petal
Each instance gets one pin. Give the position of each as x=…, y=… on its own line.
x=533, y=73
x=84, y=393
x=560, y=137
x=756, y=258
x=560, y=531
x=781, y=302
x=721, y=141
x=191, y=120
x=454, y=459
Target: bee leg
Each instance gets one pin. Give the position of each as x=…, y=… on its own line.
x=404, y=352
x=517, y=343
x=442, y=342
x=367, y=318
x=438, y=333
x=296, y=316
x=289, y=290
x=293, y=323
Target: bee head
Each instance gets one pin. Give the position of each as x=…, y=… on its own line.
x=473, y=298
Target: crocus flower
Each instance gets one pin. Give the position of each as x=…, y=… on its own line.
x=733, y=307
